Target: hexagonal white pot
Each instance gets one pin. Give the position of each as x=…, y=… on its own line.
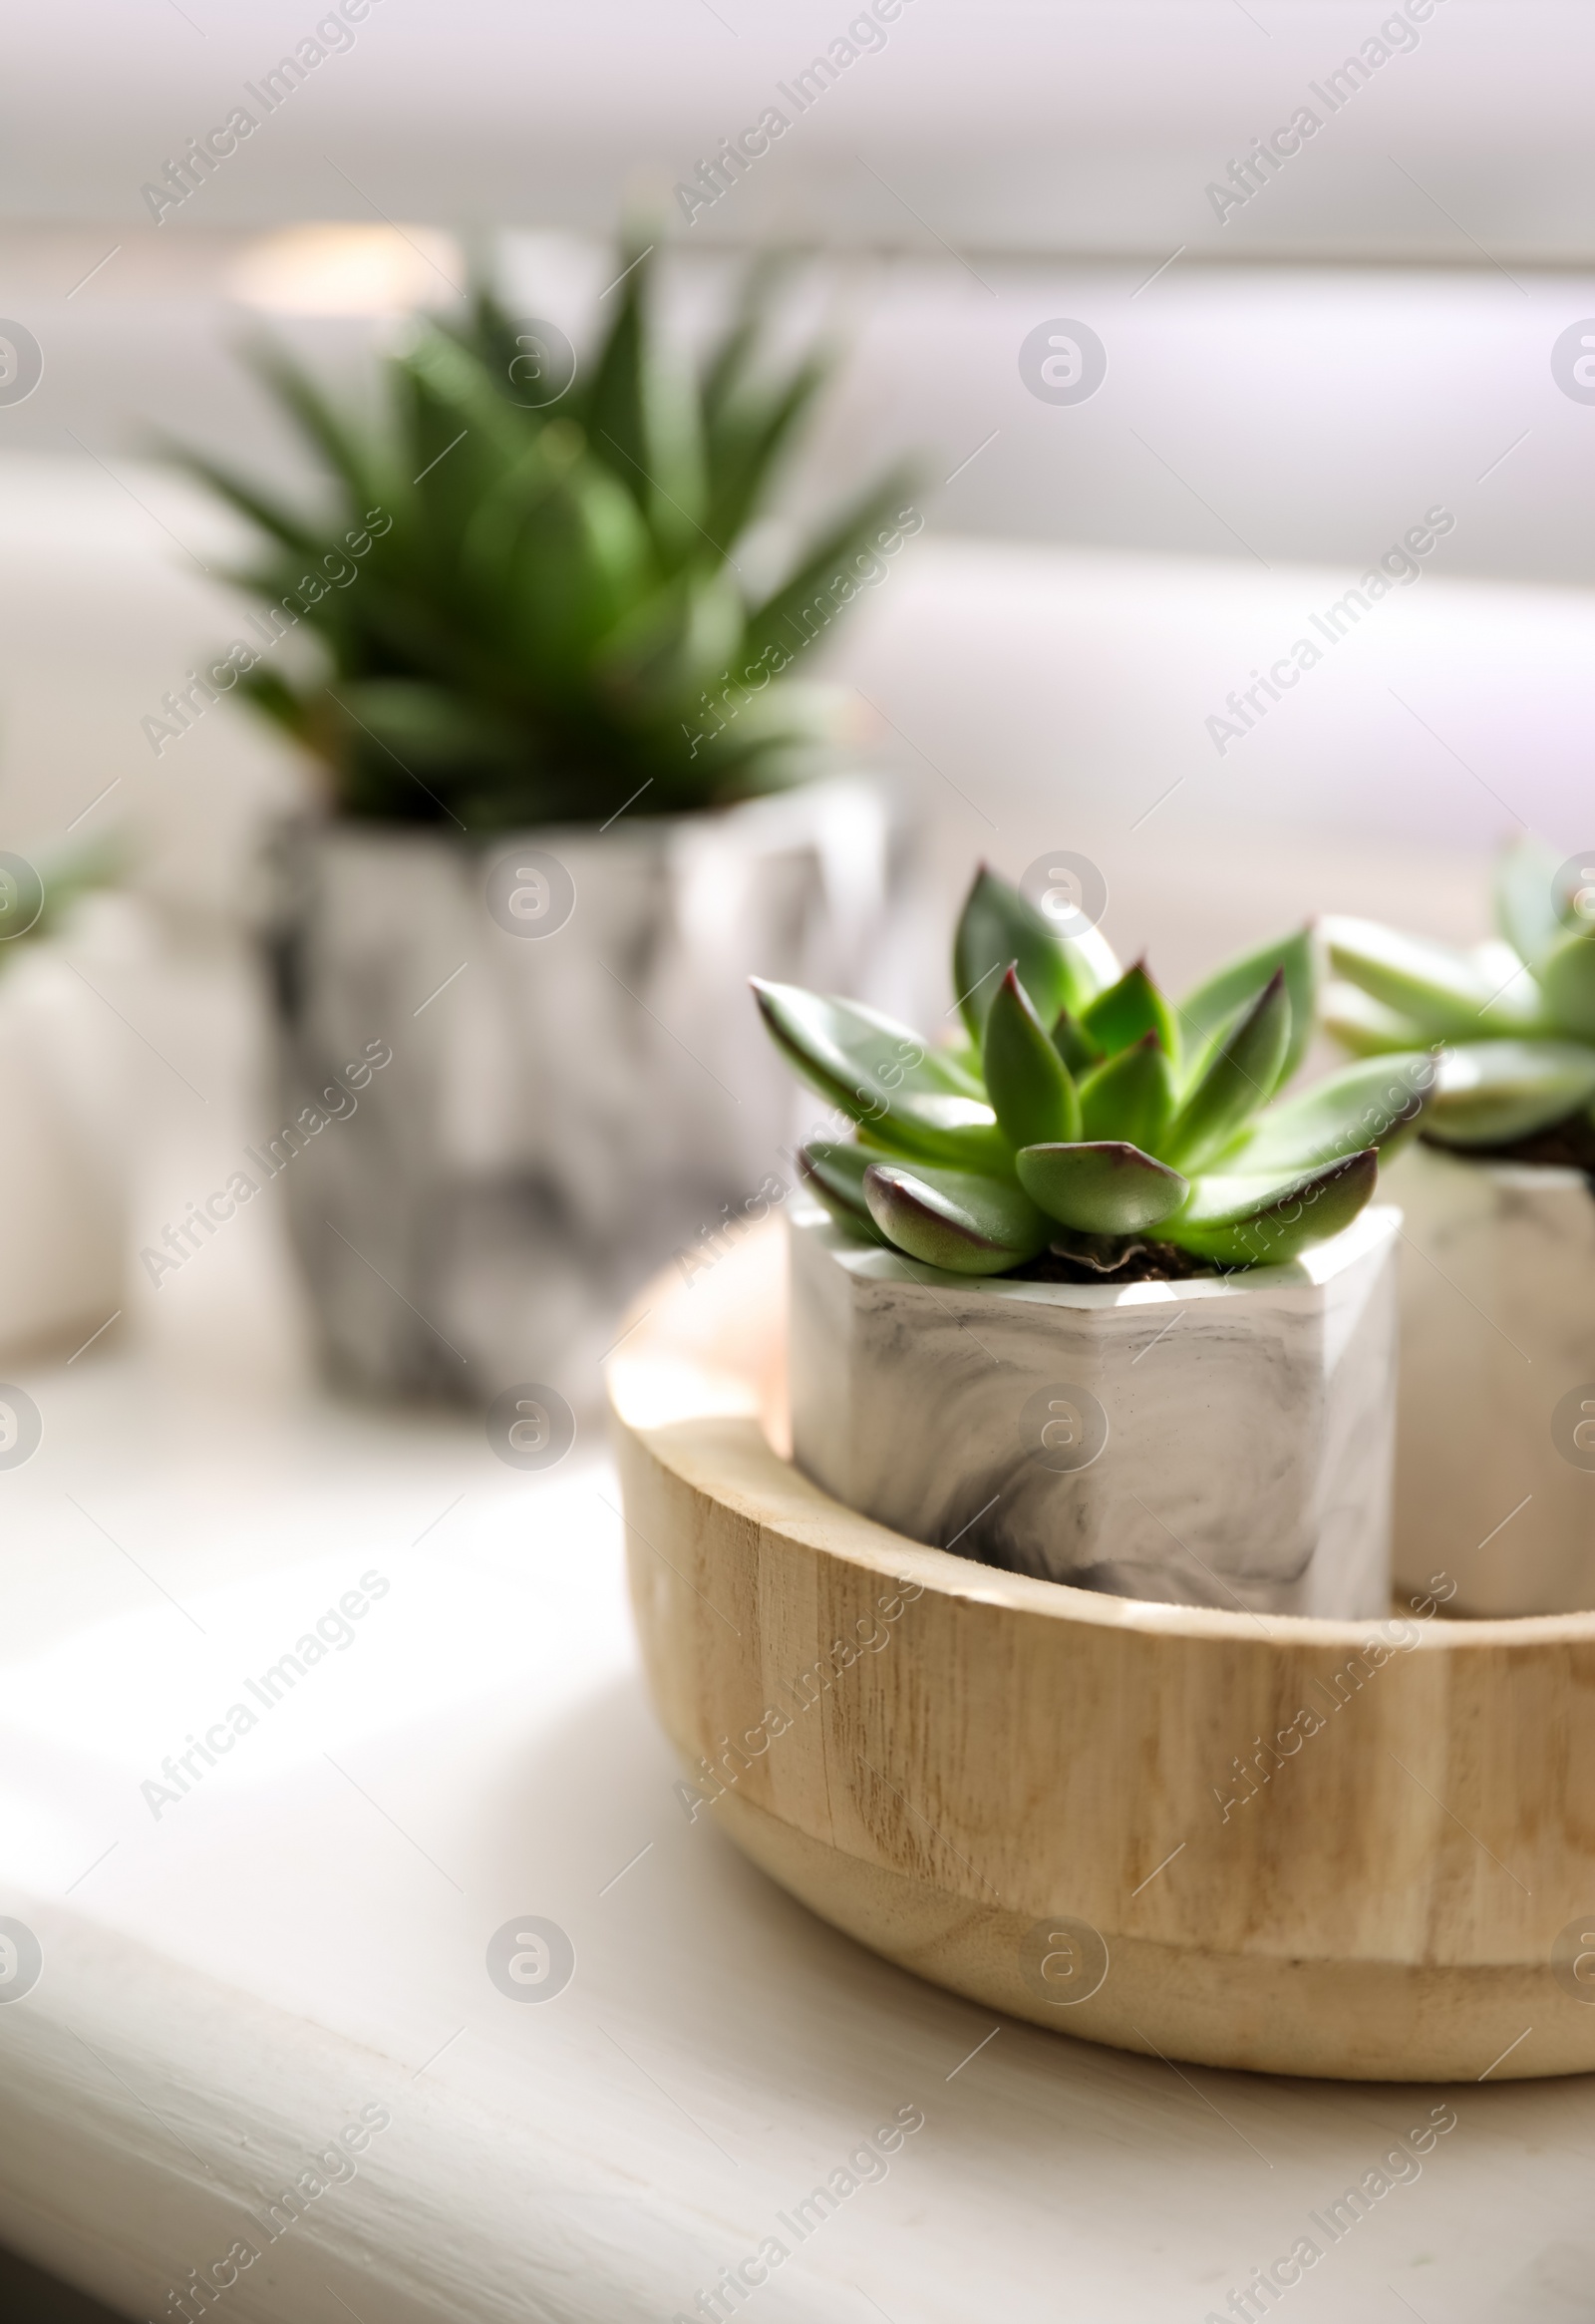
x=1219, y=1441
x=1498, y=1302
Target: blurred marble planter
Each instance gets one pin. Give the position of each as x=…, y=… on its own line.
x=578, y=1081
x=1496, y=1455
x=1217, y=1441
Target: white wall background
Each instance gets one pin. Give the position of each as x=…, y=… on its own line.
x=1042, y=126
x=1368, y=338
x=1265, y=413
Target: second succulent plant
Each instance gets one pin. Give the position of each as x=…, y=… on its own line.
x=1085, y=1116
x=1516, y=1015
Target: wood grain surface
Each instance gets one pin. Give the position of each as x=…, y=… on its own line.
x=1360, y=1851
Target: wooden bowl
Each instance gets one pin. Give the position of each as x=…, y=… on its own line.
x=1032, y=1793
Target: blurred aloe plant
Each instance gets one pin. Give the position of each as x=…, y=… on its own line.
x=1516, y=1015
x=552, y=617
x=1083, y=1114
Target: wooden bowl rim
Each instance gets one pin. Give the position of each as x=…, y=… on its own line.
x=692, y=1444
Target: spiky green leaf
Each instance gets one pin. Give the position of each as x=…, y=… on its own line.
x=1377, y=1102
x=1238, y=1078
x=1516, y=1003
x=1211, y=1006
x=1264, y=1221
x=1094, y=963
x=1075, y=1045
x=882, y=1075
x=1567, y=980
x=346, y=447
x=1526, y=904
x=1446, y=992
x=959, y=1221
x=828, y=579
x=644, y=421
x=1130, y=1097
x=423, y=726
x=834, y=1172
x=298, y=535
x=1026, y=1080
x=746, y=438
x=997, y=926
x=1491, y=1093
x=1365, y=1026
x=1107, y=1187
x=1127, y=1011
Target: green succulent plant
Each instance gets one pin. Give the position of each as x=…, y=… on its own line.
x=1083, y=1112
x=1515, y=1017
x=36, y=897
x=551, y=618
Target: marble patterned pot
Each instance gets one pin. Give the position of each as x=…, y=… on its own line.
x=578, y=1083
x=1221, y=1442
x=1495, y=1456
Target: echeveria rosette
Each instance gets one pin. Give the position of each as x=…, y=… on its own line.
x=1512, y=1021
x=1088, y=1114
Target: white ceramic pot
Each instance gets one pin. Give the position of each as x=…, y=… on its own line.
x=1496, y=1463
x=578, y=1083
x=63, y=1190
x=1219, y=1441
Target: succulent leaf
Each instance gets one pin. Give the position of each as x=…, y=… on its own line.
x=1210, y=1006
x=749, y=418
x=882, y=1075
x=1525, y=902
x=997, y=926
x=1108, y=1188
x=552, y=585
x=645, y=425
x=1491, y=1093
x=425, y=725
x=288, y=531
x=1368, y=1028
x=1026, y=1080
x=959, y=1221
x=1130, y=1097
x=1075, y=1045
x=1567, y=980
x=1127, y=1011
x=1374, y=1103
x=1446, y=992
x=810, y=595
x=834, y=1172
x=1095, y=962
x=1263, y=1223
x=1239, y=1077
x=1516, y=1003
